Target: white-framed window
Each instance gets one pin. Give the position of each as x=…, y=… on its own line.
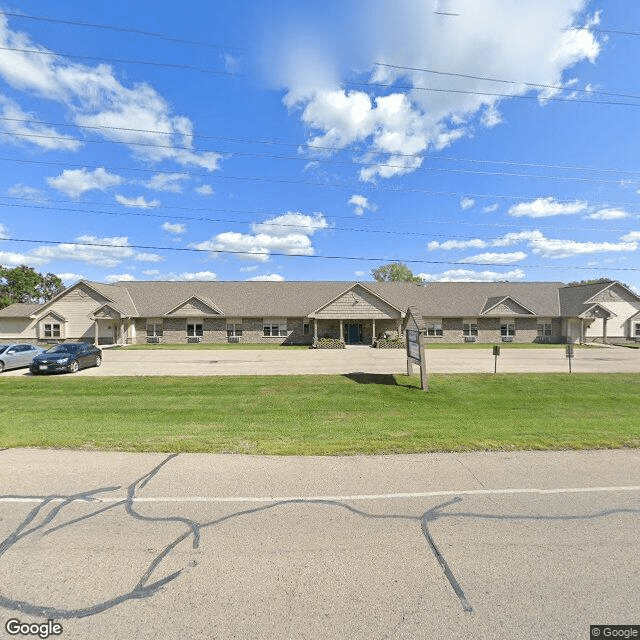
x=154, y=329
x=194, y=329
x=306, y=329
x=636, y=332
x=507, y=328
x=434, y=327
x=545, y=329
x=52, y=330
x=469, y=328
x=274, y=327
x=234, y=327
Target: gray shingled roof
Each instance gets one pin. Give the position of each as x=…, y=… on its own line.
x=19, y=310
x=573, y=299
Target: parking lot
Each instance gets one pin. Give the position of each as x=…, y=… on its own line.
x=129, y=362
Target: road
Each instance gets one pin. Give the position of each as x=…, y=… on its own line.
x=476, y=545
x=129, y=362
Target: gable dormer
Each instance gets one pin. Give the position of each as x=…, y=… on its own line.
x=195, y=306
x=357, y=302
x=505, y=306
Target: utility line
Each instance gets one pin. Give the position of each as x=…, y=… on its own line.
x=94, y=25
x=352, y=162
x=370, y=187
x=302, y=255
x=502, y=81
x=298, y=145
x=170, y=65
x=429, y=221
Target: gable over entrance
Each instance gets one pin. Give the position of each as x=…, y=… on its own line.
x=357, y=302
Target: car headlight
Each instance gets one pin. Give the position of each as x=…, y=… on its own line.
x=62, y=360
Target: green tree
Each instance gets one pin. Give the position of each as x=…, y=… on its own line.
x=25, y=284
x=394, y=272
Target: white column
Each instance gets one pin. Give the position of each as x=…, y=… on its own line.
x=315, y=329
x=341, y=329
x=373, y=337
x=95, y=330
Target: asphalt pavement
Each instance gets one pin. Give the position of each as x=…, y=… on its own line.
x=474, y=545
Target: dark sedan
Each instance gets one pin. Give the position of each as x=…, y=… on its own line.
x=68, y=356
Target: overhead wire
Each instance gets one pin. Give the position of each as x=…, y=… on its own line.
x=302, y=255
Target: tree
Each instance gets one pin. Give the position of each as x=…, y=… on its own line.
x=394, y=272
x=25, y=284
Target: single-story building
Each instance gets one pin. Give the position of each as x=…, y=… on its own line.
x=303, y=312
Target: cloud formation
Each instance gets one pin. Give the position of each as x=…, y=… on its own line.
x=75, y=182
x=467, y=275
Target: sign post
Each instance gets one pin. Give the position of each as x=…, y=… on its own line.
x=569, y=354
x=496, y=353
x=415, y=355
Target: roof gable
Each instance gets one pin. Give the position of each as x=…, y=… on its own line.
x=597, y=311
x=81, y=289
x=195, y=306
x=504, y=305
x=357, y=301
x=107, y=311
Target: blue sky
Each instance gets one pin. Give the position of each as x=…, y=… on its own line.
x=276, y=140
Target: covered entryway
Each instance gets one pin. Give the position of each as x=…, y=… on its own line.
x=353, y=333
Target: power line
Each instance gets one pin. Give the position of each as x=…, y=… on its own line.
x=94, y=25
x=187, y=67
x=598, y=30
x=297, y=145
x=352, y=162
x=488, y=93
x=502, y=81
x=334, y=185
x=302, y=255
x=430, y=221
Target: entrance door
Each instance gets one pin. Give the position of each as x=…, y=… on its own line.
x=353, y=333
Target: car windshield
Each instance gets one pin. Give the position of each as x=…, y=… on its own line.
x=64, y=348
x=3, y=347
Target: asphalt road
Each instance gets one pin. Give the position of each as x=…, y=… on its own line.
x=128, y=362
x=481, y=545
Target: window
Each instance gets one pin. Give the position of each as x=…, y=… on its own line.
x=544, y=329
x=194, y=330
x=274, y=330
x=234, y=329
x=51, y=330
x=434, y=327
x=469, y=329
x=637, y=330
x=154, y=329
x=507, y=328
x=306, y=328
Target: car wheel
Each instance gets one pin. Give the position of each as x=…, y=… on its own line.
x=73, y=367
x=1, y=366
x=98, y=361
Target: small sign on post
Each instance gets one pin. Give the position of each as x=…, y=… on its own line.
x=569, y=354
x=414, y=332
x=496, y=353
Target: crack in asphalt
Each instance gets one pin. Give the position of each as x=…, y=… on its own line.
x=145, y=589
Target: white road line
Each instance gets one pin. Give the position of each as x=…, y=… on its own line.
x=345, y=498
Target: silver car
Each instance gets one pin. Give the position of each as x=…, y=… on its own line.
x=14, y=356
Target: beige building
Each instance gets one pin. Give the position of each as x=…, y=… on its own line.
x=303, y=312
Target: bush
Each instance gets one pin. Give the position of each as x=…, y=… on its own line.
x=390, y=343
x=329, y=343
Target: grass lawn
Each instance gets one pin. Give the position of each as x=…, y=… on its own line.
x=243, y=346
x=317, y=415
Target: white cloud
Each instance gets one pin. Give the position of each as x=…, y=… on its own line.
x=490, y=208
x=23, y=130
x=271, y=277
x=4, y=232
x=359, y=274
x=204, y=190
x=137, y=203
x=96, y=98
x=310, y=51
x=27, y=193
x=608, y=214
x=151, y=272
x=174, y=228
x=546, y=207
x=123, y=277
x=289, y=234
x=496, y=258
x=104, y=252
x=12, y=259
x=361, y=204
x=197, y=275
x=632, y=236
x=249, y=269
x=467, y=275
x=467, y=203
x=75, y=182
x=167, y=182
x=475, y=243
x=70, y=278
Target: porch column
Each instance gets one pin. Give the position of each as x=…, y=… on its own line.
x=122, y=335
x=604, y=330
x=399, y=327
x=582, y=330
x=341, y=329
x=95, y=332
x=373, y=337
x=315, y=329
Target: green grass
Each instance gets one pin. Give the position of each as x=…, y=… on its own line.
x=323, y=414
x=503, y=345
x=243, y=346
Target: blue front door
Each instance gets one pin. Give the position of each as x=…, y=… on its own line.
x=354, y=333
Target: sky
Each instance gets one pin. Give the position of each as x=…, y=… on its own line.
x=474, y=140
